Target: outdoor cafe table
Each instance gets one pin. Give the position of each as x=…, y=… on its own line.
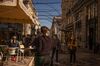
x=21, y=60
x=22, y=52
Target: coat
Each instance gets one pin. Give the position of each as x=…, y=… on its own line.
x=72, y=48
x=43, y=45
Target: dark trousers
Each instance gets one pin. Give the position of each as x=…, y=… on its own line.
x=42, y=60
x=72, y=57
x=54, y=54
x=37, y=60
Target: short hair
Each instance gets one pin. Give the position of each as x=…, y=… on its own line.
x=14, y=37
x=43, y=28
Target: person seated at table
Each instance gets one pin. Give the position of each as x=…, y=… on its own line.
x=14, y=42
x=13, y=45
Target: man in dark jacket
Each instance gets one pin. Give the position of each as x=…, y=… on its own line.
x=26, y=41
x=56, y=48
x=43, y=44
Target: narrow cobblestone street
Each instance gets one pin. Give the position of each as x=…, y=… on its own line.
x=84, y=58
x=23, y=62
x=49, y=33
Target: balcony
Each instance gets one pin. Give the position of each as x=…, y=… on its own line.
x=16, y=11
x=8, y=2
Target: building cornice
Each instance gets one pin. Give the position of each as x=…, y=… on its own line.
x=78, y=5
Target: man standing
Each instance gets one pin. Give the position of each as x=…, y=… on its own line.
x=43, y=44
x=56, y=48
x=27, y=40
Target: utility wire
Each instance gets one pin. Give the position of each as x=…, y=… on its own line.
x=44, y=15
x=47, y=20
x=48, y=3
x=47, y=10
x=53, y=8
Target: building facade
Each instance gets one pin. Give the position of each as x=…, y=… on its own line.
x=66, y=20
x=55, y=29
x=82, y=22
x=17, y=17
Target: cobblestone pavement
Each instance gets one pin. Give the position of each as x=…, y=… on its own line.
x=26, y=62
x=84, y=58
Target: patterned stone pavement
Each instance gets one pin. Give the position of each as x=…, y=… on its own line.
x=84, y=58
x=26, y=62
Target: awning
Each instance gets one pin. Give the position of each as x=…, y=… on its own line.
x=14, y=14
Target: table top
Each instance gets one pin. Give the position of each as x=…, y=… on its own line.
x=27, y=48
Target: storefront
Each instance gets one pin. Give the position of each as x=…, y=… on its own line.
x=15, y=18
x=91, y=26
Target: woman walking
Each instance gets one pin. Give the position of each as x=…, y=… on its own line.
x=72, y=50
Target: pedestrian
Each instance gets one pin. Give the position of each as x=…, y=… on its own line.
x=72, y=46
x=56, y=48
x=43, y=44
x=26, y=42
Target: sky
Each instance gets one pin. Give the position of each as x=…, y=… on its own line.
x=46, y=10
